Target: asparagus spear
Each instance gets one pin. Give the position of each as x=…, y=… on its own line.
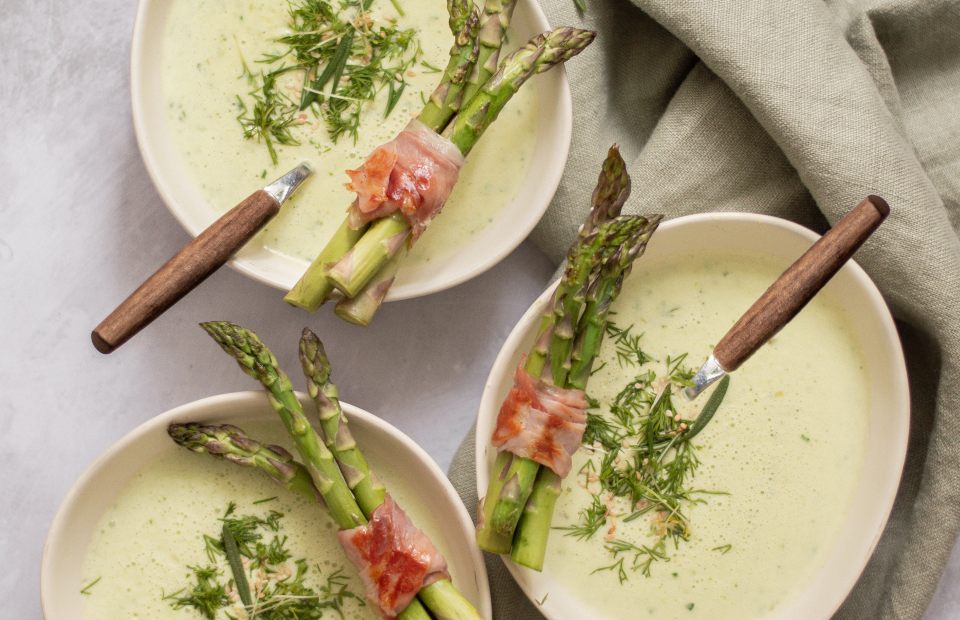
x=230, y=443
x=601, y=293
x=540, y=54
x=376, y=248
x=367, y=489
x=447, y=98
x=487, y=537
x=310, y=293
x=493, y=30
x=530, y=540
x=314, y=288
x=360, y=309
x=256, y=360
x=609, y=196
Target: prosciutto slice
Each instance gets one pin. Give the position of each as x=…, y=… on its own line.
x=415, y=173
x=541, y=422
x=394, y=558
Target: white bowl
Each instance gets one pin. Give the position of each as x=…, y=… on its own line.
x=889, y=415
x=498, y=239
x=95, y=490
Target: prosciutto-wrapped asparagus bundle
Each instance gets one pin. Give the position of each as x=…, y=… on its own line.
x=404, y=184
x=403, y=572
x=541, y=423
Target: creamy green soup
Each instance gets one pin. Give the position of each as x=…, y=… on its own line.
x=145, y=542
x=202, y=76
x=787, y=445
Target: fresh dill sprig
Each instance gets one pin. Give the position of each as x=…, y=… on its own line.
x=627, y=346
x=591, y=519
x=639, y=453
x=643, y=556
x=600, y=430
x=342, y=59
x=618, y=565
x=678, y=372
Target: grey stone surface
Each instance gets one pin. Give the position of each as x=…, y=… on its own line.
x=81, y=226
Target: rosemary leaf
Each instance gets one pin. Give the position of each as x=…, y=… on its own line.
x=708, y=411
x=236, y=566
x=393, y=96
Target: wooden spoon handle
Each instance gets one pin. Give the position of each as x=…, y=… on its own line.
x=188, y=268
x=799, y=283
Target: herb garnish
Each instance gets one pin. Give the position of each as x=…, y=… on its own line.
x=641, y=452
x=341, y=59
x=86, y=588
x=277, y=585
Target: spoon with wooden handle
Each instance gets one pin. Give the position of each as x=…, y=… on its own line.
x=791, y=292
x=197, y=260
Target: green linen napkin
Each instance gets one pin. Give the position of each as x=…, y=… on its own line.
x=800, y=110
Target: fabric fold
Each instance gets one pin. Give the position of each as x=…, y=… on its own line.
x=799, y=110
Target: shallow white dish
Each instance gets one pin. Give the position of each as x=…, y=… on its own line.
x=505, y=233
x=889, y=416
x=95, y=490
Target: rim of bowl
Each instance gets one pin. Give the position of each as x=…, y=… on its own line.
x=821, y=604
x=554, y=140
x=216, y=407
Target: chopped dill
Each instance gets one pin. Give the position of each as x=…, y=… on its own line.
x=207, y=595
x=340, y=58
x=618, y=565
x=591, y=519
x=279, y=581
x=639, y=452
x=86, y=589
x=627, y=346
x=269, y=499
x=723, y=549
